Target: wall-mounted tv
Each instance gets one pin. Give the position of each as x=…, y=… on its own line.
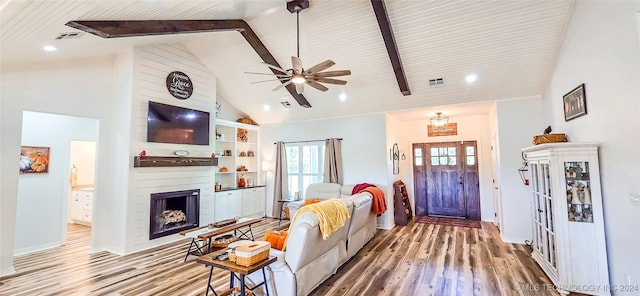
x=172, y=124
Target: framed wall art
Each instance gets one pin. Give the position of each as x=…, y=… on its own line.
x=575, y=103
x=396, y=159
x=34, y=160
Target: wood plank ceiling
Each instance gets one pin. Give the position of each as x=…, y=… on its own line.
x=510, y=45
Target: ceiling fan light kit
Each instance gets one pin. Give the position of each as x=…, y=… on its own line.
x=297, y=74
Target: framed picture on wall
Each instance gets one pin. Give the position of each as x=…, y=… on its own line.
x=575, y=103
x=34, y=160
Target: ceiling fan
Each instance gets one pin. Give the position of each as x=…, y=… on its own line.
x=297, y=75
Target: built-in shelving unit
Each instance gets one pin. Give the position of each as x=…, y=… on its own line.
x=237, y=150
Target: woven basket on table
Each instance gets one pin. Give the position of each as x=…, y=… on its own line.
x=223, y=241
x=250, y=253
x=248, y=261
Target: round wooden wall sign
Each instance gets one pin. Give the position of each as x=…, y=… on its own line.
x=179, y=85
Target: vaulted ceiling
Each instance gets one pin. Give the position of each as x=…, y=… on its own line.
x=510, y=45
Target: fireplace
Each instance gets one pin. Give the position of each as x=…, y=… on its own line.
x=172, y=212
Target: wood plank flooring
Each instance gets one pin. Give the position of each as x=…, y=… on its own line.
x=418, y=259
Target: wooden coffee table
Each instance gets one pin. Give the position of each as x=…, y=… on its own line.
x=205, y=233
x=237, y=271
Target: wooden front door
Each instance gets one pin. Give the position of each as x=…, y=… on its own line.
x=446, y=179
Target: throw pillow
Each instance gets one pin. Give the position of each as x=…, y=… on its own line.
x=311, y=201
x=276, y=238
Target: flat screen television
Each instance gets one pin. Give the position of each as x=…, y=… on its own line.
x=173, y=124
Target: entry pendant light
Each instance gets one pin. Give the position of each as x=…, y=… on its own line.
x=439, y=121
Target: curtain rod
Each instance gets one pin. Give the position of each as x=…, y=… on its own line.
x=307, y=141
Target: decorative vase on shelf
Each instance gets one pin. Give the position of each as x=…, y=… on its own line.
x=242, y=182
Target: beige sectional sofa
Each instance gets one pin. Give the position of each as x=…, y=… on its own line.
x=309, y=260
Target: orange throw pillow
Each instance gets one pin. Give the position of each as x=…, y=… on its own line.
x=276, y=238
x=311, y=201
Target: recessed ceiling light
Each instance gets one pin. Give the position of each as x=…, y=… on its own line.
x=471, y=78
x=343, y=97
x=49, y=48
x=266, y=107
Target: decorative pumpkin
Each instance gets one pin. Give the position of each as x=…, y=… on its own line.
x=276, y=238
x=38, y=157
x=38, y=166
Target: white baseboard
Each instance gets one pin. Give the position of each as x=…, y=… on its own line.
x=38, y=248
x=6, y=271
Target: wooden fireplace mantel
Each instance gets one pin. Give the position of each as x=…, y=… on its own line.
x=172, y=161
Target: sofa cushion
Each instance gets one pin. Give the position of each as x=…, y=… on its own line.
x=345, y=191
x=322, y=191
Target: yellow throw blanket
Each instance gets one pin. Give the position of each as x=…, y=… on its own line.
x=332, y=214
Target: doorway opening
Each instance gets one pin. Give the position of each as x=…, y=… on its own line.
x=82, y=157
x=446, y=182
x=44, y=199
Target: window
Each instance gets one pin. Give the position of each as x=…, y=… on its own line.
x=443, y=156
x=305, y=164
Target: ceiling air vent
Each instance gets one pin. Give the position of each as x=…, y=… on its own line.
x=285, y=104
x=69, y=35
x=436, y=82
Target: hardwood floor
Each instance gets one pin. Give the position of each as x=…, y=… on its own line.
x=418, y=259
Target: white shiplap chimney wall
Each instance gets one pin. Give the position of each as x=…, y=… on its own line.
x=151, y=65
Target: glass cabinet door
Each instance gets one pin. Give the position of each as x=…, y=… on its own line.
x=578, y=183
x=537, y=212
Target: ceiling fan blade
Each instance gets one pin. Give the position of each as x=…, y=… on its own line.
x=297, y=65
x=317, y=86
x=276, y=68
x=279, y=79
x=270, y=74
x=332, y=73
x=330, y=80
x=300, y=88
x=319, y=67
x=282, y=85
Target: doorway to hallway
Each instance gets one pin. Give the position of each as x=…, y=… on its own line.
x=446, y=182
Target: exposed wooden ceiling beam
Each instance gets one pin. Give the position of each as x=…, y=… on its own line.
x=131, y=28
x=390, y=42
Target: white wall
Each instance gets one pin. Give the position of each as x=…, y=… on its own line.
x=393, y=136
x=364, y=148
x=151, y=65
x=470, y=128
x=83, y=158
x=45, y=195
x=601, y=49
x=518, y=121
x=80, y=88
